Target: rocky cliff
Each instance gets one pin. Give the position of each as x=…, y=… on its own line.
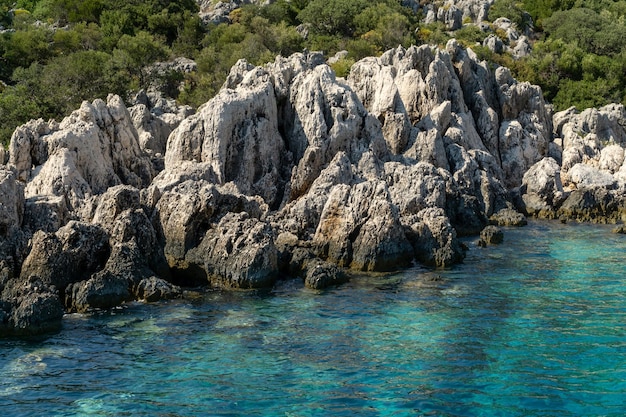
x=290, y=171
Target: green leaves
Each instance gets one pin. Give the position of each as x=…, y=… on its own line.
x=593, y=32
x=332, y=17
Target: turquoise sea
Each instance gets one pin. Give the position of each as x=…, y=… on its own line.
x=533, y=327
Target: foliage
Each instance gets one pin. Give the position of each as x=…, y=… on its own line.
x=332, y=17
x=513, y=10
x=596, y=33
x=342, y=67
x=433, y=34
x=582, y=59
x=87, y=49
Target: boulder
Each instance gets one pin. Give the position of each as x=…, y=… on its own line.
x=413, y=188
x=238, y=252
x=611, y=158
x=494, y=44
x=586, y=176
x=102, y=291
x=360, y=228
x=542, y=190
x=433, y=238
x=491, y=235
x=320, y=275
x=597, y=205
x=508, y=217
x=154, y=289
x=46, y=213
x=69, y=255
x=187, y=211
x=28, y=307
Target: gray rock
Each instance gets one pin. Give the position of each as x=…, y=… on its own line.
x=597, y=205
x=154, y=289
x=525, y=135
x=494, y=44
x=452, y=17
x=611, y=158
x=360, y=228
x=45, y=213
x=320, y=275
x=189, y=210
x=508, y=217
x=237, y=134
x=92, y=149
x=28, y=307
x=102, y=291
x=491, y=235
x=69, y=255
x=586, y=176
x=433, y=238
x=26, y=147
x=11, y=203
x=542, y=189
x=522, y=48
x=4, y=155
x=238, y=252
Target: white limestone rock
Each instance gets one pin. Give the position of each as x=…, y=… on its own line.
x=236, y=133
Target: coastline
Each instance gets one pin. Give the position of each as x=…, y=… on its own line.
x=291, y=170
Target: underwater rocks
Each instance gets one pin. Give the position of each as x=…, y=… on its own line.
x=288, y=171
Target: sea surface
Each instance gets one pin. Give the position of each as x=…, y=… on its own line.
x=533, y=327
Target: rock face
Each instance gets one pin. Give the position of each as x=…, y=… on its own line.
x=584, y=178
x=29, y=307
x=287, y=171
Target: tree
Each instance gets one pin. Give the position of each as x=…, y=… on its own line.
x=135, y=53
x=332, y=17
x=16, y=108
x=593, y=32
x=512, y=10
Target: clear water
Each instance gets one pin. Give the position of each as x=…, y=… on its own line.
x=534, y=327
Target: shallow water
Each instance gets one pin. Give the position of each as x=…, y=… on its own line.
x=534, y=327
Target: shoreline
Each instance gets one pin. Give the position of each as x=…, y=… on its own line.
x=291, y=170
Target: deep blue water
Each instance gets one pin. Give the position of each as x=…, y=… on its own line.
x=533, y=327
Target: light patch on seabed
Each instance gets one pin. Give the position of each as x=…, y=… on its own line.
x=26, y=366
x=236, y=319
x=98, y=406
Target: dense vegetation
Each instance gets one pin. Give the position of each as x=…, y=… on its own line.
x=56, y=53
x=580, y=57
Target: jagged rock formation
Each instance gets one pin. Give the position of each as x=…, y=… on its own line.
x=289, y=171
x=584, y=176
x=155, y=117
x=215, y=12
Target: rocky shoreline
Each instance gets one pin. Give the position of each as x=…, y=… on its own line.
x=290, y=171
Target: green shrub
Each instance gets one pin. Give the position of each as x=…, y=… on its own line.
x=342, y=67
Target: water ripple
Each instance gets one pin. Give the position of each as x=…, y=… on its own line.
x=535, y=327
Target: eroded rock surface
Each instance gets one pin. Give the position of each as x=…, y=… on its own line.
x=291, y=171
